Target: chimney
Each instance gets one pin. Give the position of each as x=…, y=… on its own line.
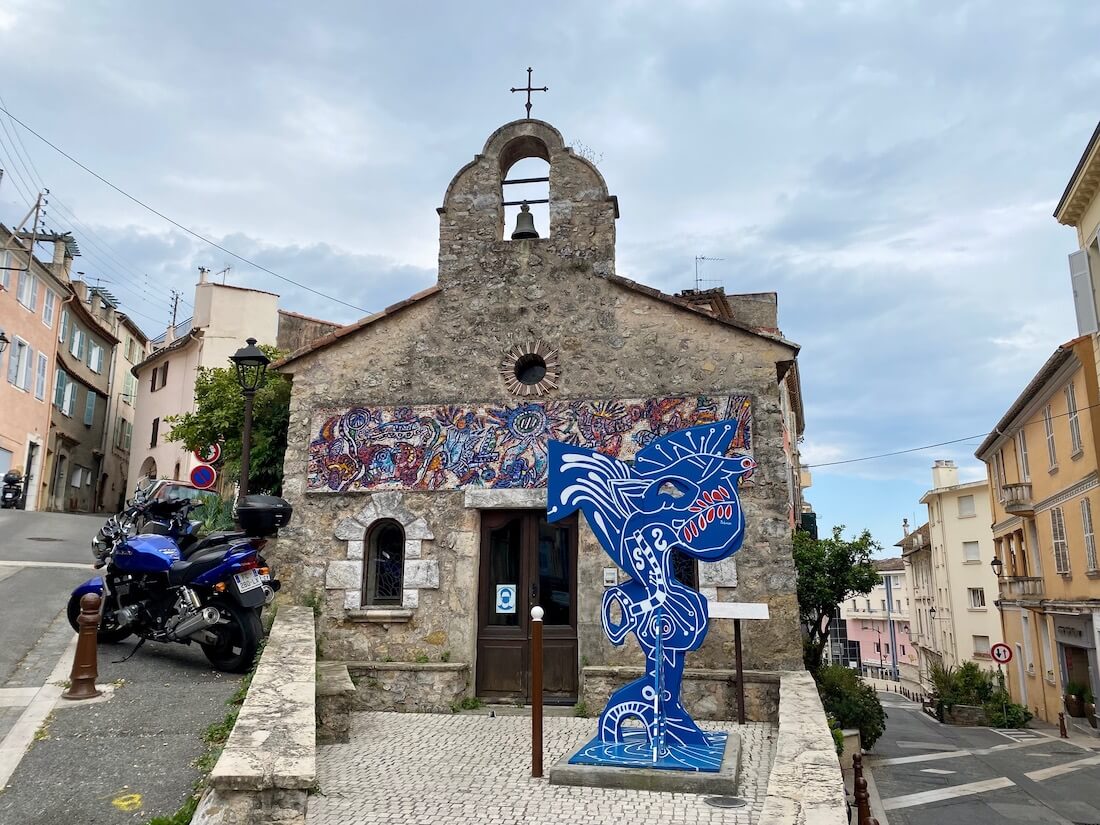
x=62, y=261
x=905, y=526
x=944, y=474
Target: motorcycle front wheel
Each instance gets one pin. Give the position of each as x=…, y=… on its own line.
x=108, y=632
x=239, y=632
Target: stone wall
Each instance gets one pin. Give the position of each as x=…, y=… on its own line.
x=414, y=687
x=707, y=694
x=964, y=715
x=613, y=341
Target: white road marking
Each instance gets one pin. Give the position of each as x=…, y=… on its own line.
x=34, y=563
x=932, y=757
x=16, y=697
x=951, y=792
x=939, y=771
x=1058, y=770
x=14, y=745
x=928, y=746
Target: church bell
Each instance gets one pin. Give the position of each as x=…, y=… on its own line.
x=525, y=224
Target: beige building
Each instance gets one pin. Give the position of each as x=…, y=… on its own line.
x=225, y=316
x=133, y=346
x=1042, y=463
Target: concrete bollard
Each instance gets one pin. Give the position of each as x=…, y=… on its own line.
x=85, y=667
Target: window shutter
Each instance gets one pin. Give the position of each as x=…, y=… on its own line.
x=28, y=367
x=1084, y=300
x=59, y=389
x=89, y=409
x=13, y=363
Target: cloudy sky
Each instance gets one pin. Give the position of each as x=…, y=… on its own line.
x=888, y=167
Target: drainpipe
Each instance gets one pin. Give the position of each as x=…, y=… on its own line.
x=890, y=622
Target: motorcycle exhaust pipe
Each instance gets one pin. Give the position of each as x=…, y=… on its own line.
x=205, y=618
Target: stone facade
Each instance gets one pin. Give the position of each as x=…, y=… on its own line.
x=422, y=687
x=614, y=340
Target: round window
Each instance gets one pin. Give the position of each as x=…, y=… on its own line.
x=530, y=368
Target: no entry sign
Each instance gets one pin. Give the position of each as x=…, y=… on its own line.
x=209, y=455
x=204, y=476
x=1001, y=653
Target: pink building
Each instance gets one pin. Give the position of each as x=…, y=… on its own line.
x=878, y=623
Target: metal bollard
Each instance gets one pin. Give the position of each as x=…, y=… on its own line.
x=859, y=785
x=85, y=667
x=1062, y=726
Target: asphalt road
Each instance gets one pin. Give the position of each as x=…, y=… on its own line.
x=106, y=762
x=932, y=774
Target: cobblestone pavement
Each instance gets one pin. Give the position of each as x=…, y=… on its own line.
x=416, y=769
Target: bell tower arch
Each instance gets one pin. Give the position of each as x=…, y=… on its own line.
x=475, y=244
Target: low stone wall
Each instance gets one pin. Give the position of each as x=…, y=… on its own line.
x=269, y=762
x=965, y=715
x=805, y=785
x=411, y=687
x=707, y=694
x=335, y=694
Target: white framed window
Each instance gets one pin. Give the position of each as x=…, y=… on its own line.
x=981, y=646
x=1021, y=456
x=7, y=266
x=971, y=551
x=68, y=400
x=129, y=389
x=1048, y=425
x=40, y=377
x=999, y=472
x=76, y=346
x=1048, y=651
x=49, y=306
x=1074, y=421
x=1061, y=545
x=63, y=327
x=976, y=596
x=95, y=357
x=20, y=364
x=1090, y=535
x=76, y=476
x=27, y=291
x=966, y=506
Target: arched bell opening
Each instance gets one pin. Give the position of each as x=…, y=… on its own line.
x=525, y=182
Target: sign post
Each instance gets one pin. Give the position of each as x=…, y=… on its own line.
x=738, y=611
x=536, y=691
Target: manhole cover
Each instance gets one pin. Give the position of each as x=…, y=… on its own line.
x=43, y=538
x=726, y=801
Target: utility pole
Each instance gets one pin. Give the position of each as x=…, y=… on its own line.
x=175, y=306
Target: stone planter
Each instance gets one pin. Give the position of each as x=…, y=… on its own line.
x=964, y=715
x=1075, y=706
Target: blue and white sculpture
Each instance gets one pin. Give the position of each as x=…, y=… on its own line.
x=679, y=494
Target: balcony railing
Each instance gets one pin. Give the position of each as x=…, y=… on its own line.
x=1018, y=499
x=1016, y=587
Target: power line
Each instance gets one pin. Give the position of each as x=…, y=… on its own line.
x=175, y=223
x=1078, y=411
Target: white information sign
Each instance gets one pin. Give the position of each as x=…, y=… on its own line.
x=737, y=610
x=610, y=576
x=506, y=598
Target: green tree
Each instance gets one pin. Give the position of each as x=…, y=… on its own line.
x=829, y=571
x=219, y=418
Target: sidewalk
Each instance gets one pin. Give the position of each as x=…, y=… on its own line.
x=126, y=758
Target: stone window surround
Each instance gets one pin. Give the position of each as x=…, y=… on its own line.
x=347, y=574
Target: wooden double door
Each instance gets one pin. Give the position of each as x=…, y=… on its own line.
x=526, y=561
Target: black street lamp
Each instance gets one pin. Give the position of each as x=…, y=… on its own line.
x=4, y=341
x=998, y=566
x=251, y=364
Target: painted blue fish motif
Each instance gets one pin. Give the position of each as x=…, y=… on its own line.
x=680, y=494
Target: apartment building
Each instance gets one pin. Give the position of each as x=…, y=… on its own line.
x=878, y=623
x=1042, y=467
x=133, y=347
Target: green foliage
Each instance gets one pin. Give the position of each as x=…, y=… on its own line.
x=180, y=817
x=581, y=709
x=851, y=703
x=1002, y=712
x=966, y=685
x=1080, y=690
x=466, y=703
x=315, y=601
x=219, y=418
x=830, y=570
x=445, y=656
x=214, y=514
x=838, y=735
x=422, y=659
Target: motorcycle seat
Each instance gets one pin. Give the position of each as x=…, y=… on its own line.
x=190, y=569
x=212, y=540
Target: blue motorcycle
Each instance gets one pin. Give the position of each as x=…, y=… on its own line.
x=211, y=597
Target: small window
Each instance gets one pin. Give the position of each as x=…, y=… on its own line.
x=976, y=596
x=902, y=650
x=1048, y=425
x=156, y=430
x=981, y=645
x=971, y=551
x=385, y=568
x=1058, y=537
x=1021, y=456
x=966, y=506
x=89, y=409
x=27, y=290
x=49, y=307
x=1074, y=422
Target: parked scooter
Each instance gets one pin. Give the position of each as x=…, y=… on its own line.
x=213, y=597
x=11, y=496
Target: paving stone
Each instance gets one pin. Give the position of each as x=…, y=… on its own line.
x=410, y=768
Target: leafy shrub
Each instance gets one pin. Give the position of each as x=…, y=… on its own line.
x=965, y=685
x=214, y=514
x=838, y=735
x=851, y=703
x=1002, y=712
x=1080, y=690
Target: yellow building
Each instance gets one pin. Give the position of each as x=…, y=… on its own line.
x=1041, y=460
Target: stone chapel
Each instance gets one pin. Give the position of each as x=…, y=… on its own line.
x=417, y=454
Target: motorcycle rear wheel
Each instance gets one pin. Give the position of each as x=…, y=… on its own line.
x=108, y=634
x=239, y=633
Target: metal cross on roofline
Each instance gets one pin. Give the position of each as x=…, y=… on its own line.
x=530, y=89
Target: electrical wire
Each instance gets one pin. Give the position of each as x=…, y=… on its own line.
x=176, y=223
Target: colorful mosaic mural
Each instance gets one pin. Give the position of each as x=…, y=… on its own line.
x=448, y=447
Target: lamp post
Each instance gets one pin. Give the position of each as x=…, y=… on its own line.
x=251, y=364
x=998, y=566
x=4, y=341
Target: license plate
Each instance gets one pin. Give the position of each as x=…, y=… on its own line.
x=265, y=576
x=248, y=580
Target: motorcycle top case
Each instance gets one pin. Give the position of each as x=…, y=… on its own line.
x=146, y=554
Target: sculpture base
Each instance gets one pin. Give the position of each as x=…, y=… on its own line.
x=707, y=770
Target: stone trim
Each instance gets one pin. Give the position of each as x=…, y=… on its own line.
x=1089, y=482
x=346, y=574
x=505, y=499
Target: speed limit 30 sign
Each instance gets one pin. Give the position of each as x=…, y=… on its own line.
x=1001, y=653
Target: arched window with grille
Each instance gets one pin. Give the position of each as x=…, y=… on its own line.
x=384, y=570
